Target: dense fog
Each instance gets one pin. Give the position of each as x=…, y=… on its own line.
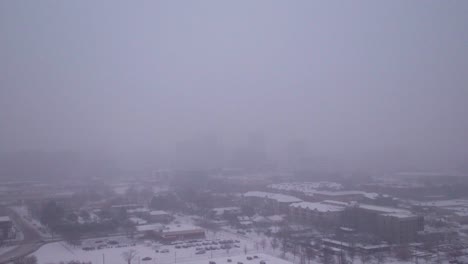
x=359, y=85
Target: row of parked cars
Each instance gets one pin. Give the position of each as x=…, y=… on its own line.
x=101, y=244
x=240, y=262
x=201, y=243
x=219, y=244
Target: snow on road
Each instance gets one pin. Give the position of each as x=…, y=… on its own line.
x=32, y=222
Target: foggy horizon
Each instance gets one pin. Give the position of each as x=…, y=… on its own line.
x=359, y=84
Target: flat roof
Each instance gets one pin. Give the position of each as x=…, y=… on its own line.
x=319, y=207
x=282, y=198
x=180, y=227
x=390, y=211
x=158, y=212
x=153, y=227
x=5, y=219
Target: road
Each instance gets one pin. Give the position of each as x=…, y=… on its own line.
x=31, y=242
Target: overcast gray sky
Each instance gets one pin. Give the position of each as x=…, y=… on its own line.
x=346, y=76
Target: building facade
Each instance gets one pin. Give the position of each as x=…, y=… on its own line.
x=391, y=224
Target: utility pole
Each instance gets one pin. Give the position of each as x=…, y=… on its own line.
x=103, y=259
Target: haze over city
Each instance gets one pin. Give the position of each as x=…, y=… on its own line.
x=354, y=82
x=214, y=132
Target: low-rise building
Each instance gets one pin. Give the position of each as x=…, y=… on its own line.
x=226, y=211
x=275, y=202
x=139, y=212
x=124, y=207
x=181, y=232
x=391, y=224
x=160, y=216
x=150, y=229
x=321, y=213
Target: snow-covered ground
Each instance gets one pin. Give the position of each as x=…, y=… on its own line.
x=151, y=252
x=61, y=251
x=249, y=258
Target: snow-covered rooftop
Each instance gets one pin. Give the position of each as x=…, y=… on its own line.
x=152, y=227
x=158, y=212
x=390, y=211
x=180, y=227
x=282, y=198
x=138, y=210
x=137, y=221
x=446, y=203
x=344, y=193
x=221, y=210
x=319, y=207
x=319, y=188
x=5, y=219
x=306, y=186
x=276, y=218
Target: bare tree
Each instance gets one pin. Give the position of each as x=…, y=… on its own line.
x=130, y=229
x=263, y=243
x=129, y=255
x=295, y=251
x=327, y=256
x=228, y=249
x=365, y=258
x=284, y=247
x=380, y=257
x=26, y=260
x=352, y=251
x=403, y=252
x=342, y=257
x=303, y=256
x=274, y=244
x=310, y=254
